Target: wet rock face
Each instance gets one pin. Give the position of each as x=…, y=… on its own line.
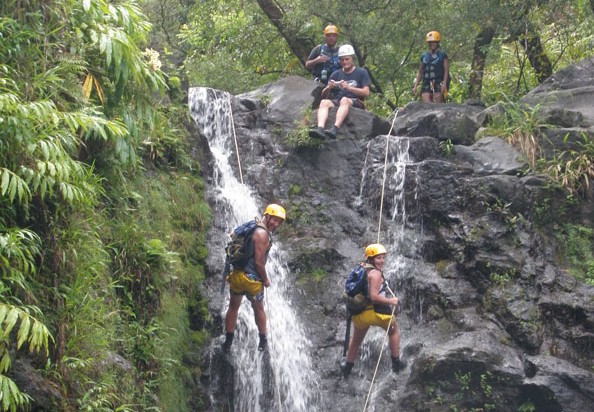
x=490, y=320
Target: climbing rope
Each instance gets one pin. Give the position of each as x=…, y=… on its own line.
x=379, y=223
x=235, y=139
x=379, y=358
x=276, y=377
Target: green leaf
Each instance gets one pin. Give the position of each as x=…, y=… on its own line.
x=23, y=333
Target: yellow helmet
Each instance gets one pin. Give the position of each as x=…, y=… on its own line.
x=374, y=250
x=331, y=29
x=275, y=210
x=432, y=36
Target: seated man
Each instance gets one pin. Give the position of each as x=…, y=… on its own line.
x=351, y=85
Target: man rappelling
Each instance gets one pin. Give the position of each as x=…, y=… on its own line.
x=249, y=277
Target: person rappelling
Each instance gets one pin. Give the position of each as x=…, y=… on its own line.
x=377, y=309
x=247, y=253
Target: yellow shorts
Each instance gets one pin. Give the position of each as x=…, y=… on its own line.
x=242, y=284
x=369, y=317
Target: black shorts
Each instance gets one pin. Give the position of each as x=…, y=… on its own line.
x=358, y=103
x=431, y=86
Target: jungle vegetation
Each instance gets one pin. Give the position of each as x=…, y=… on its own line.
x=99, y=275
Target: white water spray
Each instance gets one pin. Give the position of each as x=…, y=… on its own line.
x=283, y=378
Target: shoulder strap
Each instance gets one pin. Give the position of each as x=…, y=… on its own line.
x=367, y=266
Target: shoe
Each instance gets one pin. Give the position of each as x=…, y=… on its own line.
x=317, y=133
x=398, y=365
x=345, y=368
x=263, y=344
x=331, y=133
x=228, y=341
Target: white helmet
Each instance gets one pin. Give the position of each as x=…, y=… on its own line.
x=346, y=50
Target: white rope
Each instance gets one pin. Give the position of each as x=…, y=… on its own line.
x=379, y=223
x=235, y=140
x=379, y=357
x=276, y=377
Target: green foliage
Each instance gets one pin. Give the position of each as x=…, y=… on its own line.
x=521, y=126
x=30, y=331
x=233, y=47
x=504, y=278
x=77, y=102
x=573, y=169
x=19, y=249
x=298, y=136
x=527, y=407
x=238, y=36
x=446, y=146
x=577, y=243
x=11, y=397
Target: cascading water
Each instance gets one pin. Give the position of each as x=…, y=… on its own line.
x=283, y=378
x=396, y=237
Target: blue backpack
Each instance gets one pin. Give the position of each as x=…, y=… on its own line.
x=356, y=295
x=356, y=281
x=240, y=248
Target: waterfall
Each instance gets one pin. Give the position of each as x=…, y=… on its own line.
x=282, y=378
x=398, y=234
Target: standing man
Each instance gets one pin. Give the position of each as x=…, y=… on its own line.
x=252, y=279
x=434, y=71
x=323, y=59
x=377, y=313
x=347, y=87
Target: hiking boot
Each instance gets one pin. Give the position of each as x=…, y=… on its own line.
x=398, y=365
x=263, y=344
x=331, y=133
x=317, y=133
x=345, y=368
x=228, y=341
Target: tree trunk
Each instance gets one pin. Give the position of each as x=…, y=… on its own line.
x=300, y=47
x=536, y=55
x=479, y=58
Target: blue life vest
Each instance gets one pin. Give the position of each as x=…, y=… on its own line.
x=433, y=65
x=330, y=66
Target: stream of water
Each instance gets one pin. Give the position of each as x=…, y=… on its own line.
x=282, y=378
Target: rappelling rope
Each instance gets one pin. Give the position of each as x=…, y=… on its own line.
x=380, y=355
x=276, y=377
x=379, y=226
x=235, y=139
x=379, y=223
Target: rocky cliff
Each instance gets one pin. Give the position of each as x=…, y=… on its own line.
x=491, y=319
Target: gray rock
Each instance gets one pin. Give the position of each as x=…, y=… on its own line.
x=490, y=318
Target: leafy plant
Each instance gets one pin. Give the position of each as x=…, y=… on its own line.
x=521, y=126
x=577, y=242
x=298, y=136
x=446, y=146
x=30, y=331
x=573, y=169
x=527, y=407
